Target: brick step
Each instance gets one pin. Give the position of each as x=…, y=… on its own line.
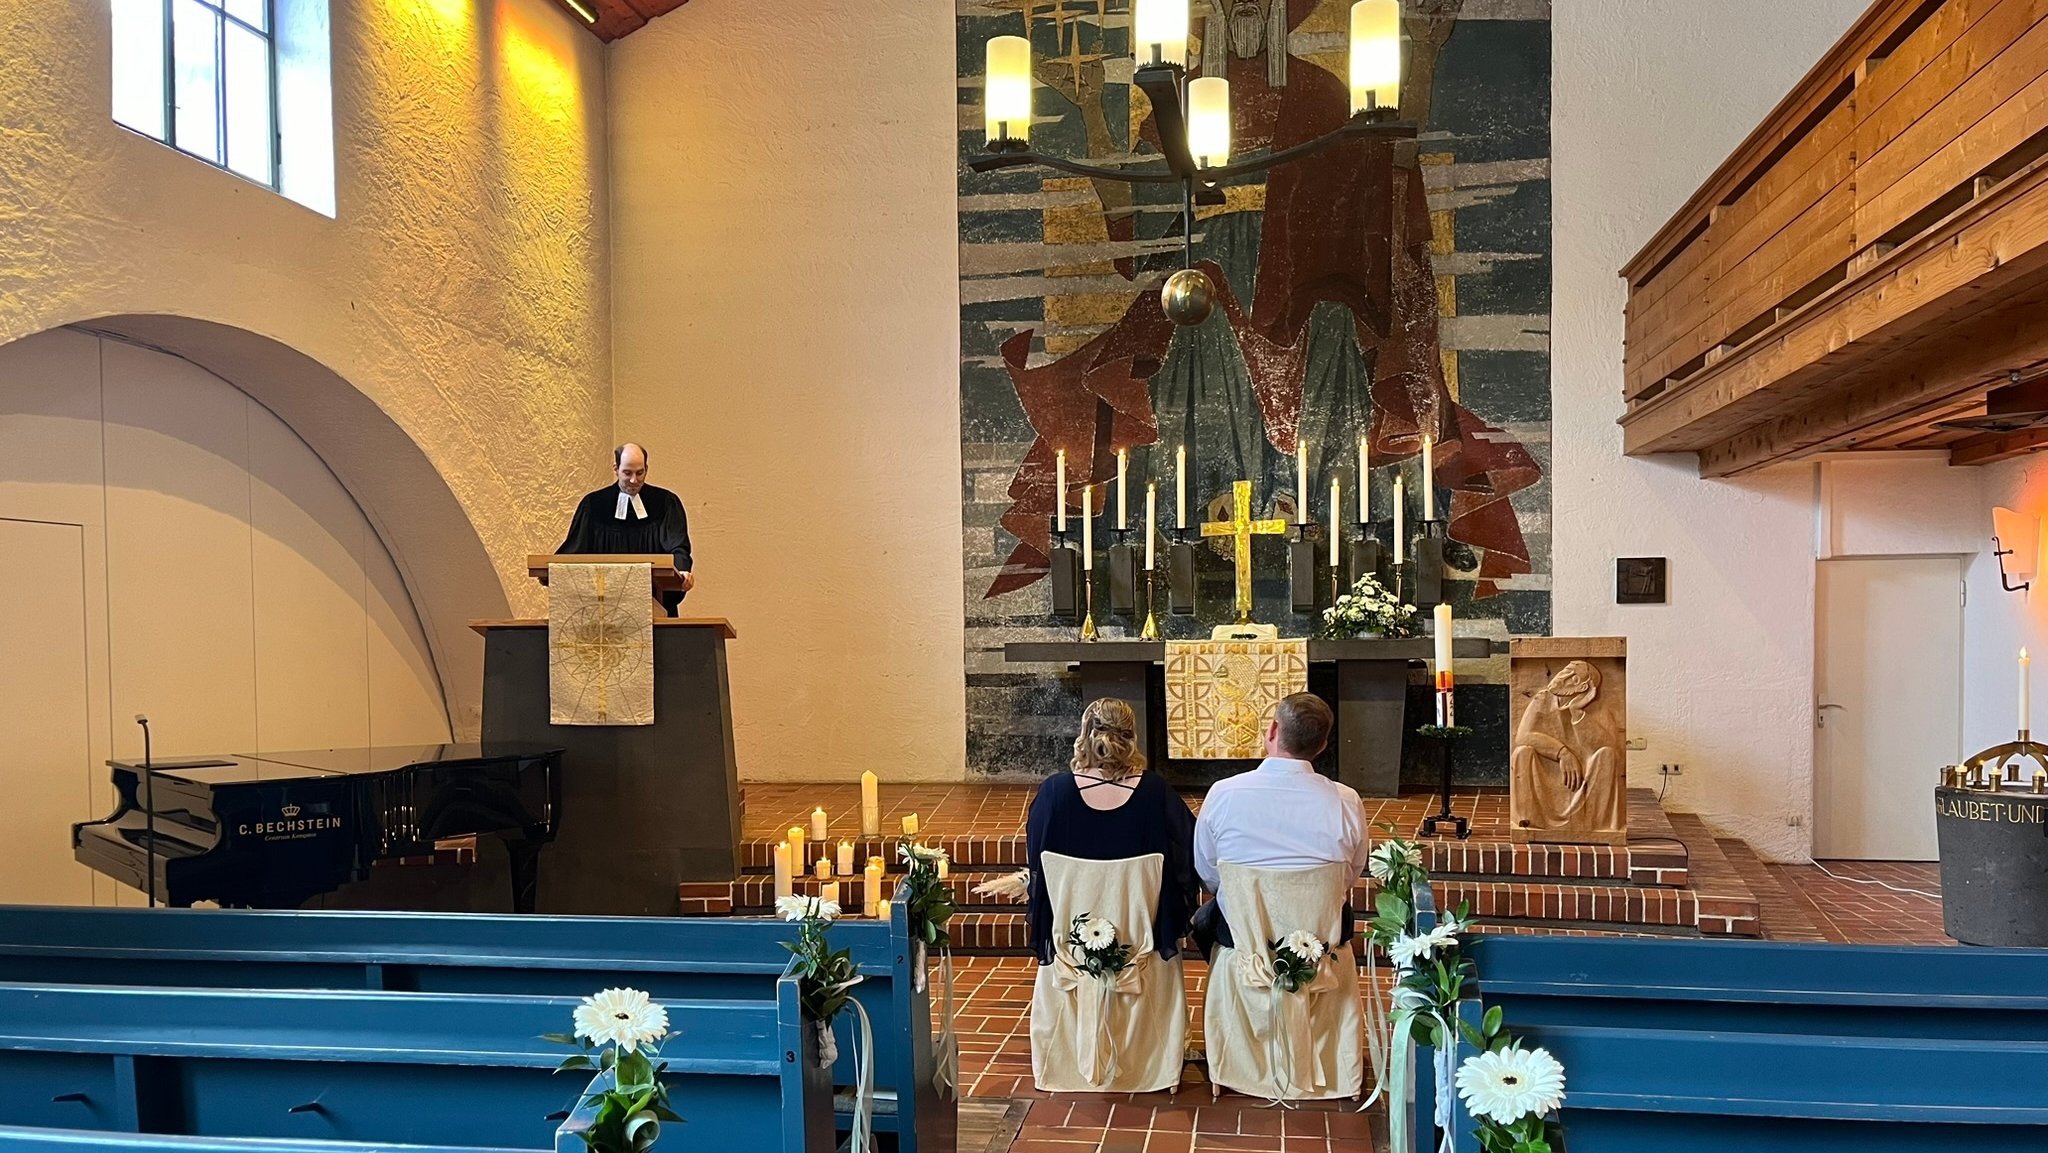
x=1005, y=934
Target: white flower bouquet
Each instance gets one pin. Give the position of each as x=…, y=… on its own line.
x=825, y=976
x=620, y=1032
x=1511, y=1092
x=1102, y=954
x=1368, y=610
x=926, y=897
x=1296, y=959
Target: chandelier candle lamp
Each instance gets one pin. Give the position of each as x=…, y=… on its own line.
x=1193, y=119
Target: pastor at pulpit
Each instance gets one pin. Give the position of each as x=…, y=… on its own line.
x=632, y=516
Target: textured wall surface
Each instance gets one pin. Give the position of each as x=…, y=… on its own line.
x=785, y=277
x=463, y=287
x=1720, y=679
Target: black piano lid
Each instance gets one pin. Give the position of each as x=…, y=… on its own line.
x=307, y=764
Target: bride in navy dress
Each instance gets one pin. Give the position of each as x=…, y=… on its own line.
x=1109, y=808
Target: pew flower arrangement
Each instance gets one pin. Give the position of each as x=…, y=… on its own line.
x=1102, y=955
x=1296, y=959
x=1511, y=1092
x=825, y=976
x=1368, y=610
x=620, y=1032
x=924, y=895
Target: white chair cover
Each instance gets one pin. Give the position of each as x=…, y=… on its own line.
x=1090, y=1035
x=1263, y=1040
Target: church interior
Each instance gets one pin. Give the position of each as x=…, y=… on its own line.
x=659, y=515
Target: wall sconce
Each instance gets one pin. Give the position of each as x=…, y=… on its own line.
x=2016, y=542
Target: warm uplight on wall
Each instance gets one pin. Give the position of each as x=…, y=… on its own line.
x=1006, y=105
x=1209, y=120
x=1375, y=54
x=1159, y=32
x=2016, y=542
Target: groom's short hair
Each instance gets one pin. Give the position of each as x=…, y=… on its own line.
x=1305, y=723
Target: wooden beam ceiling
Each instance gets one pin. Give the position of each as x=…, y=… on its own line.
x=616, y=18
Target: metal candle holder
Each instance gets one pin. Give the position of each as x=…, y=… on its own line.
x=1151, y=630
x=1993, y=762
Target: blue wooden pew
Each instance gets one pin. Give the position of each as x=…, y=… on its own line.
x=475, y=953
x=1686, y=1045
x=378, y=1067
x=19, y=1139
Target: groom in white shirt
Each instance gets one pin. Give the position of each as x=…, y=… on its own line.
x=1281, y=815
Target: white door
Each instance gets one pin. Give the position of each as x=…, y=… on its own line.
x=46, y=772
x=1888, y=697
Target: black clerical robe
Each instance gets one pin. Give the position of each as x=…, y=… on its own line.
x=597, y=528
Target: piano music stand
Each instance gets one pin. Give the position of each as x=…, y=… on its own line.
x=666, y=578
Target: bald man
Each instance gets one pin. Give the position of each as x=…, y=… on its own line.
x=632, y=516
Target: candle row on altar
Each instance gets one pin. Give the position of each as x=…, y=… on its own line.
x=1180, y=496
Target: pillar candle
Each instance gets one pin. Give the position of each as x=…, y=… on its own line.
x=1061, y=496
x=882, y=911
x=845, y=858
x=1428, y=478
x=818, y=827
x=1088, y=528
x=1151, y=518
x=797, y=856
x=1400, y=521
x=1444, y=629
x=1180, y=486
x=945, y=868
x=829, y=891
x=1364, y=478
x=783, y=881
x=824, y=870
x=1300, y=479
x=870, y=805
x=1123, y=488
x=1336, y=514
x=910, y=824
x=873, y=891
x=2026, y=679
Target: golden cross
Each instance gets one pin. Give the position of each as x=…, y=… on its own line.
x=1242, y=527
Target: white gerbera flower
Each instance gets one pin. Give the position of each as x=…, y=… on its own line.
x=1303, y=944
x=1097, y=933
x=914, y=853
x=796, y=907
x=1390, y=855
x=623, y=1017
x=1511, y=1084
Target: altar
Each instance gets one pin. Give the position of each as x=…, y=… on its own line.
x=1371, y=693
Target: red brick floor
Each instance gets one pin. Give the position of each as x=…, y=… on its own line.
x=1869, y=914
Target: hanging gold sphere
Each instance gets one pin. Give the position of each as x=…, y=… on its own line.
x=1188, y=296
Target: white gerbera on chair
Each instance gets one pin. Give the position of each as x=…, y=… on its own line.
x=1264, y=1040
x=1090, y=1034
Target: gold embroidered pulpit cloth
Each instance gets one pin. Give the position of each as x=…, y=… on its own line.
x=1220, y=693
x=600, y=644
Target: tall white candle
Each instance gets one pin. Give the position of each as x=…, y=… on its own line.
x=872, y=891
x=2026, y=685
x=1151, y=517
x=1123, y=488
x=1180, y=486
x=1336, y=516
x=1088, y=527
x=818, y=825
x=1061, y=498
x=870, y=805
x=1428, y=478
x=1400, y=521
x=797, y=856
x=1300, y=479
x=845, y=862
x=783, y=881
x=1444, y=630
x=1364, y=478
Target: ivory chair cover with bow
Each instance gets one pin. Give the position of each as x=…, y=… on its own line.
x=1265, y=1041
x=1091, y=1035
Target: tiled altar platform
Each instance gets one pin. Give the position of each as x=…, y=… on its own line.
x=1673, y=878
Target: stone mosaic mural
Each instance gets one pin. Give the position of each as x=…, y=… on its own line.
x=1379, y=289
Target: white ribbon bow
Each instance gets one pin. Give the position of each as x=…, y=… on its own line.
x=1096, y=1042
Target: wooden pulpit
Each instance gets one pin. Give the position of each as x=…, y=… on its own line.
x=644, y=807
x=666, y=578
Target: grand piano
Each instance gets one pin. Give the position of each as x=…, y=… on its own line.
x=275, y=830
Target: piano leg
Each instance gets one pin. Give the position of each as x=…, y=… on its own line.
x=525, y=858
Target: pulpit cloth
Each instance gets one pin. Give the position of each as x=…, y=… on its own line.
x=1220, y=693
x=600, y=644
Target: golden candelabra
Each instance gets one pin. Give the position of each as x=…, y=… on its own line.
x=1994, y=762
x=1151, y=630
x=1088, y=616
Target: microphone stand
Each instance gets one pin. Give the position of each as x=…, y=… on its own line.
x=149, y=807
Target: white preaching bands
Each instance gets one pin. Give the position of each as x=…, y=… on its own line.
x=639, y=510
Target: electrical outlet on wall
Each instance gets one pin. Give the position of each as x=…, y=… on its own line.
x=1638, y=744
x=1671, y=770
x=1795, y=820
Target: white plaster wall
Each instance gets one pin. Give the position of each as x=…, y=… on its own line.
x=231, y=588
x=1649, y=96
x=786, y=344
x=1996, y=623
x=463, y=285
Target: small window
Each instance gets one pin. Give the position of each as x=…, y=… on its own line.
x=235, y=83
